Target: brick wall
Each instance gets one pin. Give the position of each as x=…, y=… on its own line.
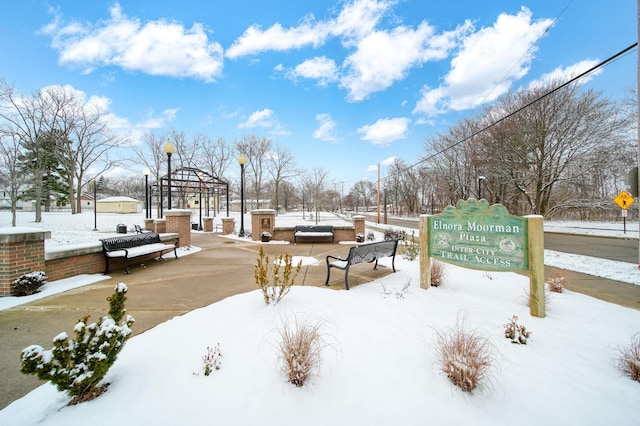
x=179, y=221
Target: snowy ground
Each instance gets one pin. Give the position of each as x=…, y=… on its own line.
x=379, y=366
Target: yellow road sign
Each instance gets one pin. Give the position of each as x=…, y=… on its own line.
x=624, y=200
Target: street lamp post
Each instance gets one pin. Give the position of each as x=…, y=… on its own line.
x=480, y=179
x=242, y=160
x=200, y=201
x=169, y=148
x=95, y=205
x=147, y=204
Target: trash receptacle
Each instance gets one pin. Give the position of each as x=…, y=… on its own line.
x=121, y=228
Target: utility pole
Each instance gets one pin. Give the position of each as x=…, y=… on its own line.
x=638, y=104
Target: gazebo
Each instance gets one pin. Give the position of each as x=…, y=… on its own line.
x=187, y=182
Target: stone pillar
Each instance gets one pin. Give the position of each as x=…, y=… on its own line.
x=148, y=224
x=207, y=224
x=262, y=220
x=21, y=252
x=358, y=224
x=179, y=221
x=227, y=225
x=160, y=226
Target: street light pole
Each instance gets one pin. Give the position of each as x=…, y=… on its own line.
x=147, y=204
x=242, y=160
x=169, y=149
x=95, y=205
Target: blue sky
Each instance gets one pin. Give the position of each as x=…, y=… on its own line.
x=344, y=84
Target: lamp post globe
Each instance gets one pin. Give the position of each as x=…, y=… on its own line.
x=169, y=149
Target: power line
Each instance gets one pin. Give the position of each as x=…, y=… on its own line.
x=511, y=114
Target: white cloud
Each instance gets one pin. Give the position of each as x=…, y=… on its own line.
x=155, y=47
x=320, y=68
x=265, y=118
x=385, y=130
x=357, y=18
x=383, y=57
x=327, y=129
x=489, y=62
x=561, y=74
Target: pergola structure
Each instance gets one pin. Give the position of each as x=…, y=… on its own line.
x=188, y=182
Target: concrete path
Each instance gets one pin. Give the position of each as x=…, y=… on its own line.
x=165, y=289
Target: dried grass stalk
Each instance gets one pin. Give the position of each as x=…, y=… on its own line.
x=438, y=272
x=464, y=356
x=629, y=359
x=555, y=281
x=300, y=348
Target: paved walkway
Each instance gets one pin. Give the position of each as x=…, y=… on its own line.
x=170, y=288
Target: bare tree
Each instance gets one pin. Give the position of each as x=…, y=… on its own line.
x=255, y=150
x=32, y=121
x=282, y=166
x=314, y=185
x=11, y=177
x=151, y=154
x=217, y=155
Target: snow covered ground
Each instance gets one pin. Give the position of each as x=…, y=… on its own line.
x=379, y=366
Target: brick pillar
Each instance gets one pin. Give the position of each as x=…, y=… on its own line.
x=21, y=252
x=179, y=221
x=148, y=224
x=358, y=224
x=262, y=220
x=227, y=225
x=208, y=224
x=160, y=226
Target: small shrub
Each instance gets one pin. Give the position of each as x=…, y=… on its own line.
x=28, y=284
x=438, y=272
x=464, y=356
x=212, y=360
x=410, y=248
x=392, y=234
x=275, y=289
x=371, y=236
x=77, y=366
x=555, y=281
x=629, y=359
x=516, y=332
x=301, y=345
x=359, y=238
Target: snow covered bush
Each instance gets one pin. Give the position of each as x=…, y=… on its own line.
x=464, y=356
x=516, y=332
x=392, y=234
x=300, y=349
x=438, y=272
x=276, y=288
x=555, y=281
x=77, y=366
x=28, y=284
x=629, y=359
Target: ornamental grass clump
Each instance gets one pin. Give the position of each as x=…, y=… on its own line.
x=629, y=359
x=518, y=333
x=464, y=356
x=276, y=287
x=300, y=349
x=555, y=281
x=438, y=272
x=77, y=366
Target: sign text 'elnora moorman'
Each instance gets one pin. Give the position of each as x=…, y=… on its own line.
x=479, y=236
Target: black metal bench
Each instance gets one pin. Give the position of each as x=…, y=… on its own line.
x=364, y=253
x=312, y=231
x=130, y=246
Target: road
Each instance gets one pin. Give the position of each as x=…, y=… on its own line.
x=620, y=249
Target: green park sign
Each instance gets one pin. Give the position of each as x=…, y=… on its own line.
x=476, y=235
